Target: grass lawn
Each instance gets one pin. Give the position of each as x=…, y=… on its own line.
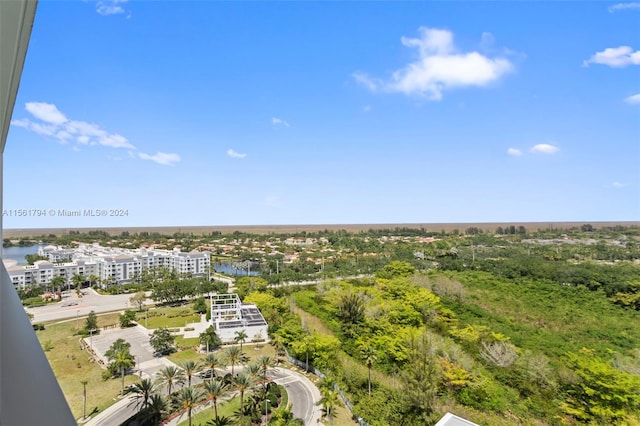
x=190, y=344
x=71, y=365
x=169, y=316
x=341, y=416
x=312, y=322
x=186, y=355
x=226, y=408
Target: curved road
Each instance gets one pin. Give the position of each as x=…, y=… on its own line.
x=303, y=396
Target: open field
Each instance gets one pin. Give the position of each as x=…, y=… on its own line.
x=276, y=229
x=71, y=365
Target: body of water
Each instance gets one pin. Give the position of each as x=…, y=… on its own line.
x=18, y=253
x=228, y=268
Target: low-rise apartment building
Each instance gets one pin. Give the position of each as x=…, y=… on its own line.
x=110, y=265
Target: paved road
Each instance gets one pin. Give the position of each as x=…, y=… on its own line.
x=303, y=394
x=91, y=301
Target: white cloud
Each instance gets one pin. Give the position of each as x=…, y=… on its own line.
x=514, y=152
x=110, y=7
x=163, y=158
x=618, y=185
x=46, y=112
x=633, y=99
x=231, y=153
x=54, y=124
x=616, y=57
x=544, y=148
x=366, y=81
x=440, y=67
x=278, y=121
x=623, y=6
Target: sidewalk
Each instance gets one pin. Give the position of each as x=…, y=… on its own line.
x=109, y=411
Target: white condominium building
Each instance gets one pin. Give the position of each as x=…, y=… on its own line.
x=112, y=265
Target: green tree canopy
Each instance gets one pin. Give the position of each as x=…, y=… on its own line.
x=161, y=340
x=126, y=318
x=92, y=322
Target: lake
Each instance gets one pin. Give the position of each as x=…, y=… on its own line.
x=227, y=268
x=18, y=253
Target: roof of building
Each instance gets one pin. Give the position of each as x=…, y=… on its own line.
x=453, y=420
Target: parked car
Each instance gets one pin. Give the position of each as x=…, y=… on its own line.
x=206, y=374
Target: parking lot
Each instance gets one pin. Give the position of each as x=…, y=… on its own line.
x=138, y=338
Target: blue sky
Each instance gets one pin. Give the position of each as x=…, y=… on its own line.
x=237, y=113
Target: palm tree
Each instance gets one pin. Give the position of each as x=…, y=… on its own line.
x=253, y=370
x=222, y=421
x=209, y=338
x=189, y=368
x=84, y=383
x=329, y=401
x=369, y=356
x=142, y=392
x=170, y=376
x=215, y=389
x=278, y=345
x=241, y=336
x=57, y=282
x=213, y=361
x=243, y=382
x=307, y=345
x=233, y=355
x=78, y=280
x=283, y=416
x=265, y=361
x=156, y=407
x=189, y=398
x=93, y=279
x=122, y=362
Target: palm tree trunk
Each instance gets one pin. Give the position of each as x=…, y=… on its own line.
x=122, y=377
x=215, y=408
x=84, y=401
x=189, y=416
x=369, y=381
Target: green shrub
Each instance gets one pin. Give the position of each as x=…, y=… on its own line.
x=487, y=395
